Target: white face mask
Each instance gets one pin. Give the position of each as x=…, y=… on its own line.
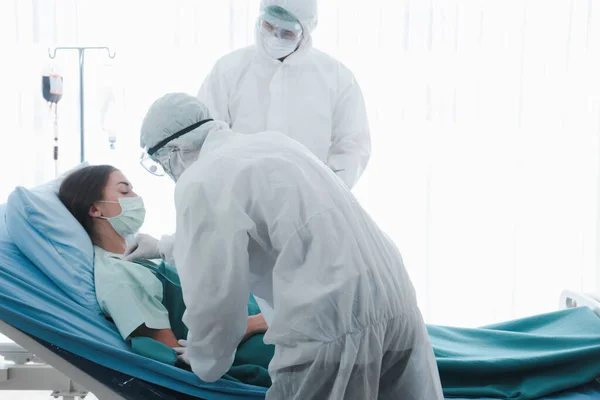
x=178, y=162
x=131, y=218
x=278, y=48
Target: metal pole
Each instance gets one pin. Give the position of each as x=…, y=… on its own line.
x=56, y=140
x=81, y=106
x=81, y=92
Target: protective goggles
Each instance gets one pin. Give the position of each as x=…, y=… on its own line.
x=151, y=165
x=280, y=28
x=151, y=160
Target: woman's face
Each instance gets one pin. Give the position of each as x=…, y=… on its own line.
x=117, y=187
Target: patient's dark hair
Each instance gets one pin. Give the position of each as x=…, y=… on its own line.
x=81, y=189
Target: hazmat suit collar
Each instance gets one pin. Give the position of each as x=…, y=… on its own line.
x=216, y=138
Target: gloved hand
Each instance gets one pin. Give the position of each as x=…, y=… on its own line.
x=181, y=351
x=145, y=247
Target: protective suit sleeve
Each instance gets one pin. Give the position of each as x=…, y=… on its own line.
x=212, y=260
x=166, y=248
x=215, y=95
x=350, y=140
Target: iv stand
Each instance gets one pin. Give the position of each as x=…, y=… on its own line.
x=81, y=51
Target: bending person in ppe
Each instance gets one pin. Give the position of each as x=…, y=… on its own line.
x=284, y=84
x=261, y=214
x=144, y=299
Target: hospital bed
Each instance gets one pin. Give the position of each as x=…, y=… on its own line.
x=82, y=351
x=70, y=377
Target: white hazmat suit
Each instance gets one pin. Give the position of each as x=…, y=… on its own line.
x=261, y=214
x=310, y=97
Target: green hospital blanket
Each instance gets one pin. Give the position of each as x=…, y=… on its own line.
x=252, y=356
x=520, y=359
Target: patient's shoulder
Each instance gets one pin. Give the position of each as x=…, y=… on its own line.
x=111, y=271
x=104, y=258
x=107, y=267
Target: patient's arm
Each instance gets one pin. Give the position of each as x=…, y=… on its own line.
x=256, y=324
x=165, y=336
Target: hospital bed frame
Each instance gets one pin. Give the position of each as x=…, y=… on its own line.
x=66, y=381
x=54, y=373
x=570, y=299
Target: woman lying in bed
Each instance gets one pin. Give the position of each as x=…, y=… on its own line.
x=143, y=300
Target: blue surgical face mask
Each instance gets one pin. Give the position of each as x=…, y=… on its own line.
x=131, y=218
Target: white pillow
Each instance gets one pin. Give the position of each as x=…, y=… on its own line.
x=52, y=239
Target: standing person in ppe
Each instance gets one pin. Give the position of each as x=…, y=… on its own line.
x=283, y=84
x=260, y=213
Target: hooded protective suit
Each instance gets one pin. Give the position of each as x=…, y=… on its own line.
x=261, y=214
x=310, y=97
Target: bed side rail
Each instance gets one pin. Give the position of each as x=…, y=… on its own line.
x=572, y=299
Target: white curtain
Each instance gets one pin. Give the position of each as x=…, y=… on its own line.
x=485, y=118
